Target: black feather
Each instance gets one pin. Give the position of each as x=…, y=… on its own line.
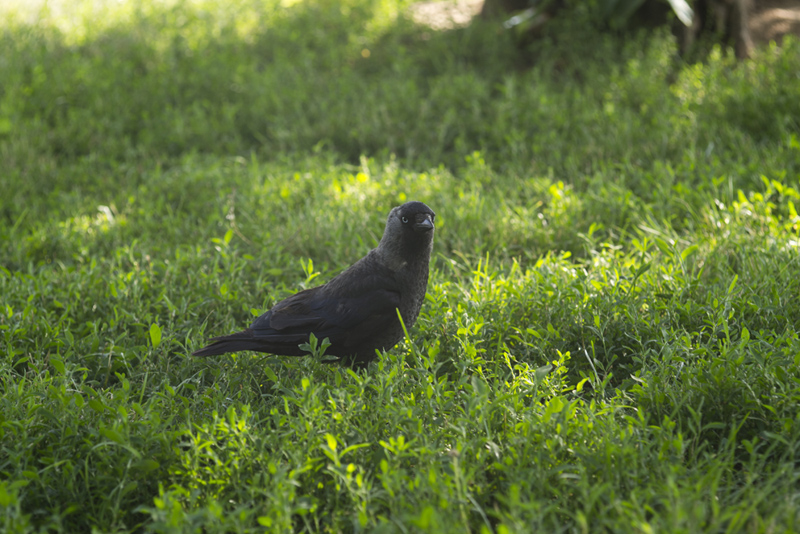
x=356, y=310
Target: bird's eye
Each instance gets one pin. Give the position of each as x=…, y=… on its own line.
x=404, y=219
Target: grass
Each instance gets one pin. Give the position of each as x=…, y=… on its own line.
x=610, y=337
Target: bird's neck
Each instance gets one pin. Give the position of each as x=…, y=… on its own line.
x=401, y=257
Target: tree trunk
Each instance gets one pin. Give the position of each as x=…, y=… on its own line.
x=715, y=21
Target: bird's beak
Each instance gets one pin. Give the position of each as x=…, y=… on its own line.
x=424, y=225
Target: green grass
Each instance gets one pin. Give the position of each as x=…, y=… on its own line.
x=610, y=338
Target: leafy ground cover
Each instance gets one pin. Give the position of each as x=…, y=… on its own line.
x=610, y=338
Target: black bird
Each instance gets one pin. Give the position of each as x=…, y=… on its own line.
x=356, y=310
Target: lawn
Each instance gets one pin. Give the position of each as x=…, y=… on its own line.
x=611, y=336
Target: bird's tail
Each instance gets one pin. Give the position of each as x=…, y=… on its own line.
x=243, y=340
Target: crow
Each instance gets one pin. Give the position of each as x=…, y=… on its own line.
x=357, y=309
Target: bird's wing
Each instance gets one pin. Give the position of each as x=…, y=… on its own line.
x=368, y=304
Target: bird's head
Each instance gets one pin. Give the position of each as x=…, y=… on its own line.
x=409, y=229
